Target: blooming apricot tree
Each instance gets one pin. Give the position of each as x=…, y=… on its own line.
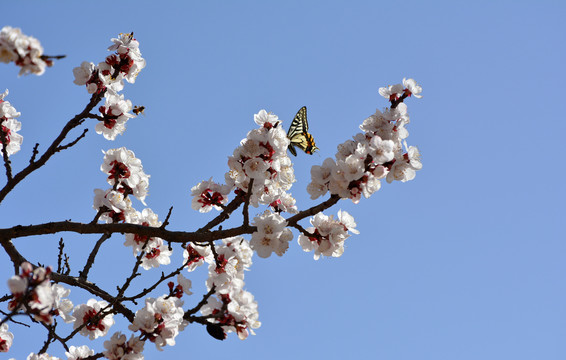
x=259, y=175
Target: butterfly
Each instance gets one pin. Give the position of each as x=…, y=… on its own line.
x=298, y=134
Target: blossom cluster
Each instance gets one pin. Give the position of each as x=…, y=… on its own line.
x=261, y=158
x=108, y=77
x=126, y=176
x=9, y=125
x=25, y=51
x=93, y=319
x=117, y=348
x=32, y=293
x=326, y=236
x=234, y=309
x=160, y=321
x=79, y=352
x=378, y=153
x=272, y=235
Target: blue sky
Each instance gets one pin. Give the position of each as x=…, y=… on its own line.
x=465, y=262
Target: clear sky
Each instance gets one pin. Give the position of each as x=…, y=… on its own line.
x=466, y=262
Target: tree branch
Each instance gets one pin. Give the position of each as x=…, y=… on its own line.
x=292, y=221
x=53, y=148
x=90, y=261
x=225, y=214
x=123, y=228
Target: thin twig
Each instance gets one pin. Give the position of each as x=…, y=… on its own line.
x=163, y=277
x=34, y=153
x=63, y=147
x=90, y=261
x=204, y=300
x=166, y=222
x=53, y=148
x=135, y=273
x=56, y=57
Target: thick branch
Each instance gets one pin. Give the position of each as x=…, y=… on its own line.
x=171, y=236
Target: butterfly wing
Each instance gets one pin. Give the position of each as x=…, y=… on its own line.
x=298, y=134
x=299, y=123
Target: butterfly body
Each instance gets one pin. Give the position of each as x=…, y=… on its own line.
x=298, y=134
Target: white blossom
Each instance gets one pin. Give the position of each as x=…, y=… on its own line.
x=413, y=87
x=195, y=255
x=160, y=320
x=156, y=254
x=208, y=195
x=185, y=284
x=33, y=286
x=117, y=207
x=6, y=338
x=146, y=218
x=9, y=126
x=88, y=314
x=124, y=168
x=117, y=348
x=43, y=356
x=272, y=235
x=79, y=353
x=25, y=51
x=327, y=234
x=64, y=306
x=115, y=113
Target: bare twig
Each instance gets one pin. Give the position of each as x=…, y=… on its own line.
x=166, y=222
x=62, y=266
x=204, y=300
x=34, y=153
x=53, y=148
x=163, y=277
x=55, y=57
x=63, y=147
x=51, y=337
x=90, y=261
x=135, y=273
